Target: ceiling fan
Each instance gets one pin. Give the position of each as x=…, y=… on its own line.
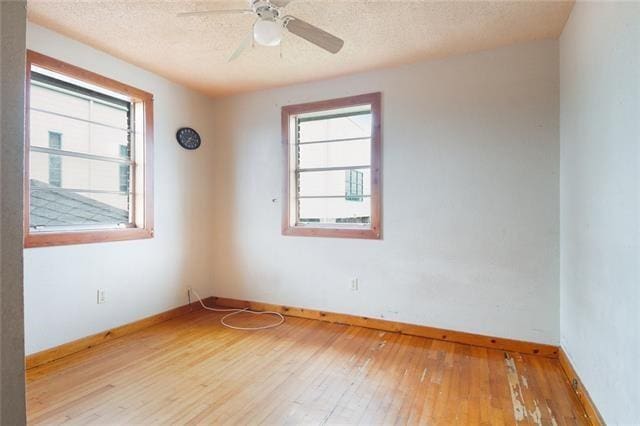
x=268, y=28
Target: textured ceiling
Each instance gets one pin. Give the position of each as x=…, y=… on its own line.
x=194, y=50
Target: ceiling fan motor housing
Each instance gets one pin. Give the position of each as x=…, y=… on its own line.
x=265, y=10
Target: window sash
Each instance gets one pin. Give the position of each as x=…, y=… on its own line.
x=298, y=170
x=83, y=120
x=56, y=153
x=55, y=163
x=71, y=89
x=76, y=154
x=332, y=169
x=84, y=191
x=334, y=140
x=345, y=196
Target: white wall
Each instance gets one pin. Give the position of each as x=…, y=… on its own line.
x=12, y=74
x=144, y=277
x=470, y=205
x=470, y=199
x=600, y=196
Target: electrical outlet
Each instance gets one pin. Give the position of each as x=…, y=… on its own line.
x=102, y=298
x=354, y=284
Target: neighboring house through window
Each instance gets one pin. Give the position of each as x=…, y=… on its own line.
x=55, y=161
x=353, y=185
x=124, y=171
x=333, y=168
x=97, y=186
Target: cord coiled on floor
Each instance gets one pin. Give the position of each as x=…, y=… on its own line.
x=236, y=311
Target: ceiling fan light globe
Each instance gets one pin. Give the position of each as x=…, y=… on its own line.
x=267, y=32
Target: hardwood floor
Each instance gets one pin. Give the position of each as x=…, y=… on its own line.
x=191, y=370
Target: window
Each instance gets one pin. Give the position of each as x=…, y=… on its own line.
x=353, y=185
x=55, y=163
x=125, y=169
x=88, y=175
x=332, y=181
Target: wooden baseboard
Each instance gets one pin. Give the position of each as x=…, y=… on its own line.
x=549, y=351
x=65, y=349
x=581, y=392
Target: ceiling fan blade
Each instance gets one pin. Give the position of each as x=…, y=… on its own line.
x=279, y=3
x=313, y=34
x=246, y=43
x=215, y=12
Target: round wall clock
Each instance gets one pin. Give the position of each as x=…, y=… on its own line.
x=188, y=138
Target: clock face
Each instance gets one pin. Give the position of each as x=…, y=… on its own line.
x=188, y=138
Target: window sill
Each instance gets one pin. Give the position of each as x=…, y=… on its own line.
x=50, y=239
x=310, y=231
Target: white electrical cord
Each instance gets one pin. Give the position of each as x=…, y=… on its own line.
x=236, y=311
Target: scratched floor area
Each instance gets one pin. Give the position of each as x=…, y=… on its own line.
x=191, y=370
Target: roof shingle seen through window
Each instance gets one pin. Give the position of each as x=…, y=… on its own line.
x=51, y=208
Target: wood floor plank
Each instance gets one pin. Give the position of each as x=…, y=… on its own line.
x=191, y=370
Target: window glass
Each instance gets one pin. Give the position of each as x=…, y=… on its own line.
x=353, y=185
x=336, y=154
x=55, y=163
x=333, y=166
x=79, y=164
x=345, y=123
x=334, y=211
x=125, y=169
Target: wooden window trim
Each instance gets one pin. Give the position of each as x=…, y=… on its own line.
x=55, y=238
x=372, y=232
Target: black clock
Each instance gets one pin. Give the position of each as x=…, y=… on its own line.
x=188, y=138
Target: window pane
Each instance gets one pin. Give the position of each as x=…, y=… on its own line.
x=353, y=185
x=330, y=183
x=47, y=106
x=334, y=211
x=43, y=98
x=115, y=116
x=55, y=207
x=335, y=154
x=77, y=173
x=55, y=174
x=79, y=136
x=353, y=126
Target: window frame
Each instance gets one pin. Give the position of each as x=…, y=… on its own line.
x=97, y=235
x=373, y=231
